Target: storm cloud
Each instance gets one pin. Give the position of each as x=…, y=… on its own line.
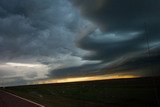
x=124, y=28
x=43, y=39
x=30, y=25
x=33, y=32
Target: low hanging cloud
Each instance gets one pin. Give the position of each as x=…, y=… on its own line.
x=37, y=28
x=123, y=26
x=119, y=40
x=40, y=31
x=113, y=15
x=121, y=36
x=77, y=37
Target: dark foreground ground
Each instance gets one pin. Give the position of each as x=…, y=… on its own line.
x=140, y=92
x=10, y=100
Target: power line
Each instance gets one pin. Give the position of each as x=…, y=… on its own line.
x=149, y=55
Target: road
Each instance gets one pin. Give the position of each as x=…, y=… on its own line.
x=11, y=100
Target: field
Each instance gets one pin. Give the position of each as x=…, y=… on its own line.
x=139, y=92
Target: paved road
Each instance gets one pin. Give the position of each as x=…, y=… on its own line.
x=11, y=100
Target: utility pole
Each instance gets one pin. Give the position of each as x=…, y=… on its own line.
x=153, y=73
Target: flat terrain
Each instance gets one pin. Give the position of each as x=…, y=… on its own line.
x=10, y=100
x=140, y=92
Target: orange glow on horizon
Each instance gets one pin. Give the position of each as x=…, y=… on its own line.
x=89, y=78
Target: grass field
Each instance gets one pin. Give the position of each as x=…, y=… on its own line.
x=139, y=92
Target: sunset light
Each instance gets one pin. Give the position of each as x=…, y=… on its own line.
x=89, y=78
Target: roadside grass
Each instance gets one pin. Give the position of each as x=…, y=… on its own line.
x=126, y=92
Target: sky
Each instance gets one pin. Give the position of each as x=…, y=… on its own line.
x=42, y=40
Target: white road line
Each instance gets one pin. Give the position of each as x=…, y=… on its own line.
x=23, y=98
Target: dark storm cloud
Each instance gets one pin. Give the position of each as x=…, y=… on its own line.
x=37, y=27
x=107, y=49
x=37, y=31
x=124, y=27
x=45, y=31
x=123, y=24
x=124, y=15
x=76, y=71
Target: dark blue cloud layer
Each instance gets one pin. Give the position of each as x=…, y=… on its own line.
x=46, y=30
x=124, y=28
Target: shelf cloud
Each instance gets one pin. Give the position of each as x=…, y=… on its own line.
x=76, y=38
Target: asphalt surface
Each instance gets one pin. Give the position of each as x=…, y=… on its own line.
x=11, y=100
